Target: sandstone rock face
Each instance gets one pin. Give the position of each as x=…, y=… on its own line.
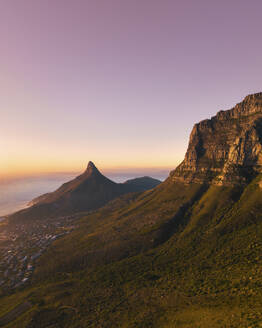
x=226, y=149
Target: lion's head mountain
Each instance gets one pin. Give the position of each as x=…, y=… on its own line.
x=88, y=191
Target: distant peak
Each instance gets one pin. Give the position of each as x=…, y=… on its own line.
x=91, y=168
x=91, y=165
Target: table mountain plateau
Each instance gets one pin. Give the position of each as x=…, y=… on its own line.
x=226, y=149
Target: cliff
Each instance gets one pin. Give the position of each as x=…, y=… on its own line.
x=226, y=149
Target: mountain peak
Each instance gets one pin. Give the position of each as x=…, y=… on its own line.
x=91, y=168
x=91, y=165
x=253, y=96
x=250, y=105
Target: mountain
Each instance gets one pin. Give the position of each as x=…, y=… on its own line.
x=143, y=183
x=184, y=254
x=88, y=191
x=225, y=149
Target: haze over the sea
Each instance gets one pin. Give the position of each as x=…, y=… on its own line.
x=118, y=82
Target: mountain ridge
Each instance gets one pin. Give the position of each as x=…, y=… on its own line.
x=88, y=191
x=225, y=149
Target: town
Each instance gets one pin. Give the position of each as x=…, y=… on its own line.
x=22, y=244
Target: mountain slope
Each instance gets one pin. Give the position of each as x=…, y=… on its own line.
x=142, y=266
x=185, y=254
x=88, y=191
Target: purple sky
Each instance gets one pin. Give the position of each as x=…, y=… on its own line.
x=119, y=82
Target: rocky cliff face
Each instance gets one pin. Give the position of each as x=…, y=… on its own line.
x=226, y=149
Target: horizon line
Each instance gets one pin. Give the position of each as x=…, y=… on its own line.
x=105, y=170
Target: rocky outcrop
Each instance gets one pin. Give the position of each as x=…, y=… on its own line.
x=226, y=149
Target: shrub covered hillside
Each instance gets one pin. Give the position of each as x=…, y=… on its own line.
x=199, y=267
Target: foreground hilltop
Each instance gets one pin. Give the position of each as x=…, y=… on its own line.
x=184, y=254
x=88, y=191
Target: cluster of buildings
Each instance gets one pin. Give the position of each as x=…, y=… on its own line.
x=22, y=244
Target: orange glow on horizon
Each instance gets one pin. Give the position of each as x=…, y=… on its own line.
x=26, y=158
x=24, y=168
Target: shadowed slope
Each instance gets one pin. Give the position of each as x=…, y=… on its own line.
x=88, y=191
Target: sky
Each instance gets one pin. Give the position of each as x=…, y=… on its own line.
x=118, y=82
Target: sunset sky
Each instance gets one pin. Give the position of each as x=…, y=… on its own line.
x=119, y=82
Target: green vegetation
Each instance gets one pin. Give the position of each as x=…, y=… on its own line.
x=176, y=256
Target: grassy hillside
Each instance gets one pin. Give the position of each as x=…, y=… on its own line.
x=175, y=256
